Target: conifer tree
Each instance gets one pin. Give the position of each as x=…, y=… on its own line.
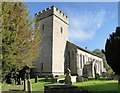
x=20, y=40
x=112, y=52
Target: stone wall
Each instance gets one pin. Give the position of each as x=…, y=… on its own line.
x=80, y=57
x=54, y=30
x=71, y=58
x=60, y=36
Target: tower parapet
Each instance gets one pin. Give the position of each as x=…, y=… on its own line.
x=51, y=11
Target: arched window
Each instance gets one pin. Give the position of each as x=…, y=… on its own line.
x=81, y=61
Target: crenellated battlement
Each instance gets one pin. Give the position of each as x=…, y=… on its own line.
x=51, y=11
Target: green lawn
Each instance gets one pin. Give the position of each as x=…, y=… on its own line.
x=35, y=86
x=91, y=85
x=99, y=85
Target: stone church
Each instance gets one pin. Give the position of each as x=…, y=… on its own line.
x=57, y=53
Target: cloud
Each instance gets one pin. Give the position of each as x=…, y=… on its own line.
x=84, y=25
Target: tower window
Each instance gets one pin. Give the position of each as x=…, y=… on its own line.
x=42, y=27
x=61, y=29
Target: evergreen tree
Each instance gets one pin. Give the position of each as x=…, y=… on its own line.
x=20, y=40
x=112, y=51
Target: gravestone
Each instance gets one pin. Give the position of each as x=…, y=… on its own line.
x=85, y=72
x=46, y=78
x=97, y=76
x=29, y=86
x=54, y=79
x=19, y=81
x=67, y=88
x=25, y=85
x=9, y=80
x=68, y=77
x=80, y=79
x=36, y=79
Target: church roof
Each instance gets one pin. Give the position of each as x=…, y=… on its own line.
x=83, y=49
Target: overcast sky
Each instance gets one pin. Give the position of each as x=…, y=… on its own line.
x=89, y=23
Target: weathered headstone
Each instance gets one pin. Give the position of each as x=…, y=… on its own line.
x=29, y=86
x=68, y=77
x=28, y=75
x=25, y=85
x=46, y=78
x=12, y=80
x=15, y=78
x=85, y=73
x=54, y=79
x=19, y=81
x=97, y=76
x=80, y=79
x=8, y=80
x=36, y=79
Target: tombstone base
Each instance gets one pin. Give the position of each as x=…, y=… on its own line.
x=60, y=89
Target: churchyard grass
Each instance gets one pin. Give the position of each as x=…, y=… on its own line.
x=91, y=85
x=35, y=86
x=99, y=85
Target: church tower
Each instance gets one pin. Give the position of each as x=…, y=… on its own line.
x=54, y=30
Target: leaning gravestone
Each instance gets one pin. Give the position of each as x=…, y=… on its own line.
x=68, y=77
